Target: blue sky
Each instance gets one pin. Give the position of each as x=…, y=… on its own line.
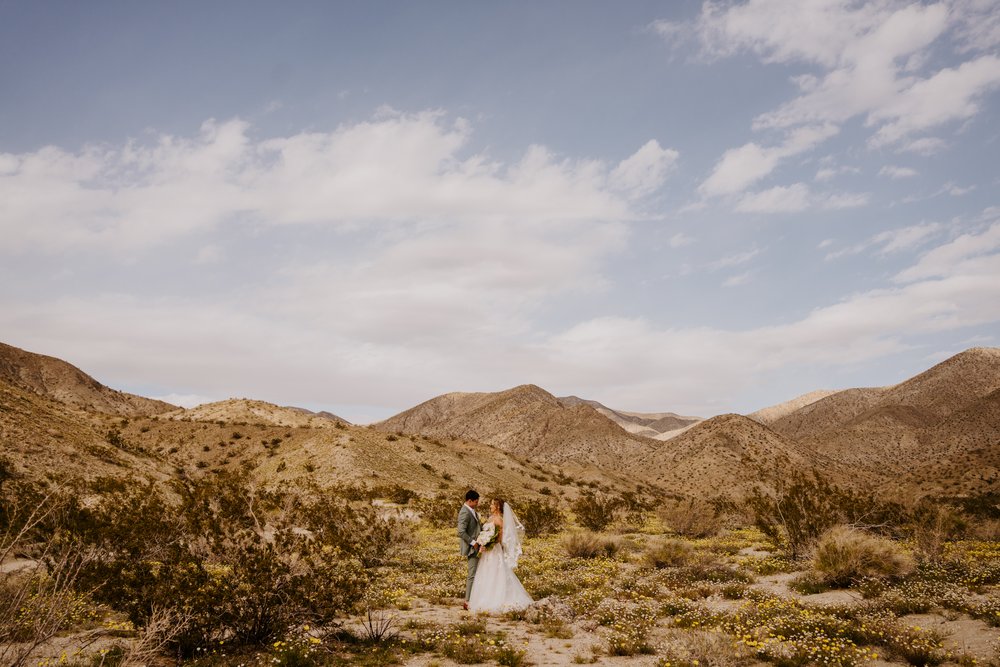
x=693, y=206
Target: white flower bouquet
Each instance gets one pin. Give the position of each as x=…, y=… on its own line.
x=487, y=537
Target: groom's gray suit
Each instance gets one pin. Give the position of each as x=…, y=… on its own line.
x=468, y=530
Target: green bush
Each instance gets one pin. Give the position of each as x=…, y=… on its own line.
x=595, y=511
x=845, y=555
x=440, y=511
x=803, y=507
x=238, y=564
x=540, y=517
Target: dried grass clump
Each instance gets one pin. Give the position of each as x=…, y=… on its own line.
x=845, y=555
x=669, y=553
x=691, y=518
x=586, y=544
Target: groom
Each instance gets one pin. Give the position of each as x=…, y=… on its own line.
x=468, y=531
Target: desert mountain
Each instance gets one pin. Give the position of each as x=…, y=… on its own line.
x=245, y=410
x=827, y=413
x=729, y=454
x=947, y=411
x=657, y=425
x=771, y=414
x=46, y=438
x=63, y=382
x=526, y=421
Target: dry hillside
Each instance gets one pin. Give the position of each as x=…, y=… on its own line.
x=728, y=455
x=246, y=410
x=915, y=430
x=658, y=425
x=767, y=416
x=56, y=379
x=529, y=422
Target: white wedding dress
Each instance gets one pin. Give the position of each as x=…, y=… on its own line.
x=496, y=588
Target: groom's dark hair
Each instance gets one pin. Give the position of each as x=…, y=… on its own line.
x=471, y=495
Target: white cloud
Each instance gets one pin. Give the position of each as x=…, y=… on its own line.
x=737, y=280
x=896, y=173
x=949, y=95
x=966, y=251
x=680, y=239
x=646, y=170
x=779, y=199
x=739, y=168
x=420, y=319
x=924, y=146
x=734, y=260
x=209, y=254
x=873, y=62
x=891, y=241
x=629, y=356
x=396, y=167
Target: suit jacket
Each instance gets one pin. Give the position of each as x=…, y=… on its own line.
x=468, y=529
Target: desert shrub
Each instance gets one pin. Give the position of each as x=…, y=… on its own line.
x=595, y=511
x=933, y=525
x=40, y=599
x=669, y=553
x=399, y=494
x=803, y=507
x=441, y=510
x=585, y=544
x=845, y=555
x=540, y=517
x=691, y=518
x=239, y=564
x=634, y=508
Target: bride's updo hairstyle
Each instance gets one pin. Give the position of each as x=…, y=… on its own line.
x=499, y=503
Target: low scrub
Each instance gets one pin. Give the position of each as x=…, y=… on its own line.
x=595, y=511
x=693, y=517
x=586, y=544
x=540, y=517
x=845, y=555
x=669, y=553
x=237, y=564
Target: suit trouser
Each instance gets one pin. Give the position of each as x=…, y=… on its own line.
x=473, y=564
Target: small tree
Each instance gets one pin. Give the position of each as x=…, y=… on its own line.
x=595, y=511
x=540, y=517
x=798, y=512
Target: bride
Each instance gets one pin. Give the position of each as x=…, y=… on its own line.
x=496, y=587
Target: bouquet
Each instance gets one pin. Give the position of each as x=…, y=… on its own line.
x=487, y=538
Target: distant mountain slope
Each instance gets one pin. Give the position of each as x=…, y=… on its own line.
x=58, y=380
x=254, y=412
x=827, y=413
x=651, y=425
x=945, y=410
x=767, y=416
x=46, y=439
x=526, y=421
x=728, y=454
x=951, y=385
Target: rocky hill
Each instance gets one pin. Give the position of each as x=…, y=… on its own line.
x=63, y=382
x=728, y=455
x=942, y=413
x=657, y=425
x=249, y=411
x=767, y=416
x=526, y=421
